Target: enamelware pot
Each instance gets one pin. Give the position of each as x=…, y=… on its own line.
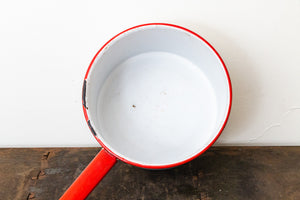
x=155, y=96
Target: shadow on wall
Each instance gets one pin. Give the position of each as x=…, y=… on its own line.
x=245, y=83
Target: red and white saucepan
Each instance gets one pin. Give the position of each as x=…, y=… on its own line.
x=155, y=96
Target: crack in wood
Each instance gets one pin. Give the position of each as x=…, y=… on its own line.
x=46, y=155
x=41, y=173
x=30, y=195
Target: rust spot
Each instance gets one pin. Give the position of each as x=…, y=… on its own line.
x=133, y=106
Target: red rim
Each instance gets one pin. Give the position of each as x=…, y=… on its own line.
x=203, y=150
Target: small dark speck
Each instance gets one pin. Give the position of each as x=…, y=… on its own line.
x=133, y=106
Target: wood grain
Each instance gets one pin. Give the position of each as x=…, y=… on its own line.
x=220, y=173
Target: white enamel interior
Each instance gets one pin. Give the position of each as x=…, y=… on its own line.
x=157, y=95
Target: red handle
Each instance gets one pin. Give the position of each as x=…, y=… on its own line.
x=90, y=177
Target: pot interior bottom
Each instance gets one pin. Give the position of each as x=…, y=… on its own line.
x=157, y=108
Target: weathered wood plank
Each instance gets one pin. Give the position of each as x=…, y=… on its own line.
x=220, y=173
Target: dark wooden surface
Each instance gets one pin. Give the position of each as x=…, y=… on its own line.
x=220, y=173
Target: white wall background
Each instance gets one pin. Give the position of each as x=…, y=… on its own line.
x=46, y=46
